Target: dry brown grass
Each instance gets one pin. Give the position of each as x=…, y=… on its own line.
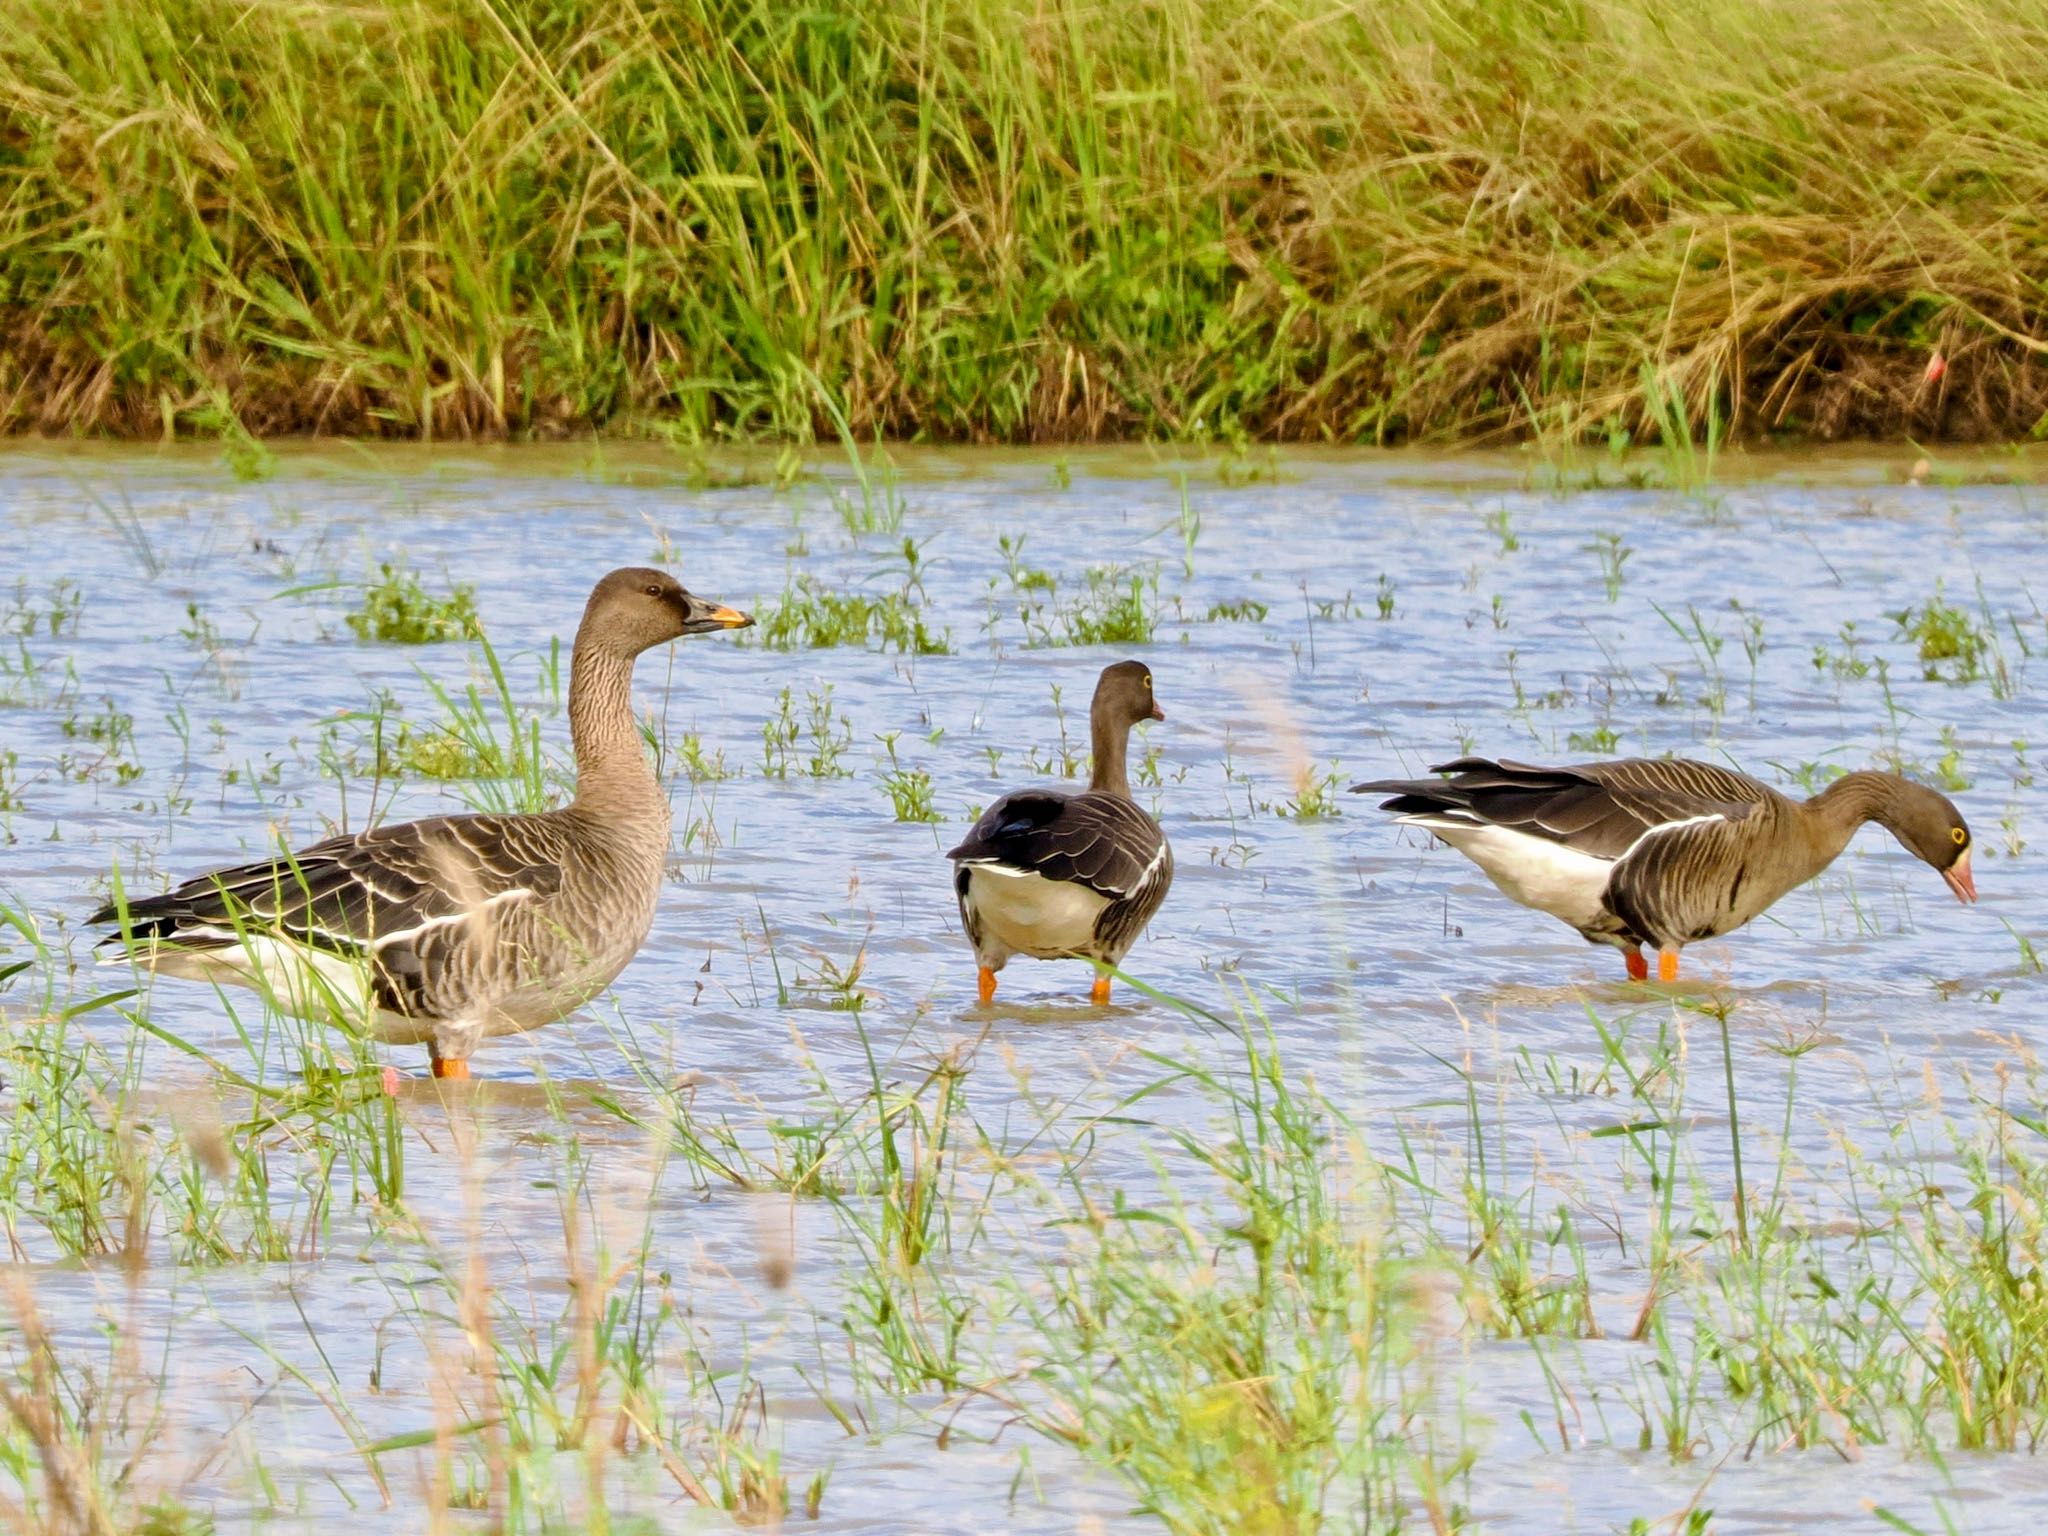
x=1022, y=220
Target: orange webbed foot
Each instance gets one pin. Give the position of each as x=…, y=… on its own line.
x=986, y=982
x=451, y=1066
x=1667, y=965
x=1638, y=967
x=1099, y=993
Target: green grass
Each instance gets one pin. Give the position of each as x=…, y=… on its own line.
x=810, y=616
x=481, y=739
x=1112, y=607
x=1952, y=646
x=399, y=611
x=1254, y=1360
x=1211, y=1283
x=1597, y=221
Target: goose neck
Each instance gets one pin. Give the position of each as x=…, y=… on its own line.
x=612, y=771
x=1833, y=816
x=1109, y=742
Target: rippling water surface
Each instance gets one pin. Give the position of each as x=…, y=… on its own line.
x=1345, y=618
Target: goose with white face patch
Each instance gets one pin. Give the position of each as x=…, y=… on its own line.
x=1661, y=851
x=448, y=931
x=1056, y=874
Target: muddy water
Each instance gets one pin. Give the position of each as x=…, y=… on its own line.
x=1348, y=618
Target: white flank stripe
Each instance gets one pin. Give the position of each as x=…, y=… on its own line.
x=1152, y=869
x=997, y=867
x=517, y=893
x=1663, y=827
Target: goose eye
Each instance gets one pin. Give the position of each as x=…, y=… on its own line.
x=654, y=591
x=1958, y=836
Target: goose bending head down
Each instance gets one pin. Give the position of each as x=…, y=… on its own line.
x=447, y=931
x=1056, y=874
x=1661, y=852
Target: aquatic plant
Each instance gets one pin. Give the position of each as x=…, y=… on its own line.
x=55, y=614
x=1951, y=646
x=1614, y=553
x=1600, y=741
x=1244, y=611
x=1114, y=607
x=1316, y=796
x=910, y=790
x=483, y=739
x=397, y=610
x=829, y=733
x=1239, y=1359
x=810, y=616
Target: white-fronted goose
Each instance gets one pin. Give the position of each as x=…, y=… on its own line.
x=447, y=931
x=1059, y=875
x=1663, y=851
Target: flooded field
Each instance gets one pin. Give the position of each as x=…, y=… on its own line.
x=1372, y=1202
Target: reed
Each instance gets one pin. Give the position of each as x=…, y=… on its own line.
x=1571, y=220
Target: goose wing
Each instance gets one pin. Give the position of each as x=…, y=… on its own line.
x=1101, y=841
x=377, y=894
x=1599, y=809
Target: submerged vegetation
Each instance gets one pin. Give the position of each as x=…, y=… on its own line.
x=1603, y=222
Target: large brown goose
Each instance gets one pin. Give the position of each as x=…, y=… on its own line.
x=448, y=931
x=1662, y=851
x=1058, y=875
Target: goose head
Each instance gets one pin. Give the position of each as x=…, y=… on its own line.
x=1123, y=696
x=637, y=607
x=1932, y=829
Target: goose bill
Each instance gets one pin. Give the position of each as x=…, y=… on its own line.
x=712, y=616
x=1960, y=880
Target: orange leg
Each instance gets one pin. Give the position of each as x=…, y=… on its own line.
x=1638, y=967
x=1099, y=993
x=987, y=981
x=1667, y=965
x=450, y=1066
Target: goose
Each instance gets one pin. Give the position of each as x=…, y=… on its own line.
x=448, y=931
x=1056, y=874
x=1662, y=851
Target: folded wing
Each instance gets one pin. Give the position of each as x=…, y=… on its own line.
x=395, y=896
x=1598, y=809
x=1101, y=841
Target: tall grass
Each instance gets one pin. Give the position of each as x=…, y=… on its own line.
x=993, y=219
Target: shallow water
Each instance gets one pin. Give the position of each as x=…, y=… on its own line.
x=1411, y=610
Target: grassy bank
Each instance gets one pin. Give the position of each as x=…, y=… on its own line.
x=1023, y=219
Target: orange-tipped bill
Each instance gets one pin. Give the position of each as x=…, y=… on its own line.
x=1960, y=880
x=704, y=616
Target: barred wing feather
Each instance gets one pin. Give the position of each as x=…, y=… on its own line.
x=385, y=895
